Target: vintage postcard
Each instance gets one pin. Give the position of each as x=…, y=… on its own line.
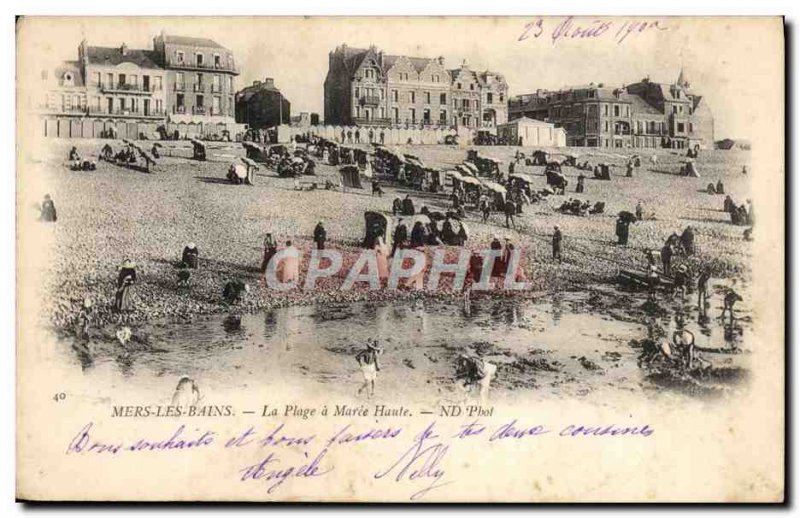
x=387, y=259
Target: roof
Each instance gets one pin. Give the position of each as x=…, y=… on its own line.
x=419, y=64
x=249, y=91
x=193, y=42
x=642, y=107
x=353, y=57
x=69, y=66
x=113, y=56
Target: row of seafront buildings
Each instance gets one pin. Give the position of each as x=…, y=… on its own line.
x=368, y=87
x=640, y=115
x=188, y=85
x=181, y=80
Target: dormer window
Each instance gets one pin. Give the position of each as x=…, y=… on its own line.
x=69, y=79
x=199, y=59
x=217, y=61
x=180, y=56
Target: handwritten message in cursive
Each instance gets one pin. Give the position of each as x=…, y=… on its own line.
x=283, y=455
x=569, y=28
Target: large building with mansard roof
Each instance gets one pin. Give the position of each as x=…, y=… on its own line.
x=368, y=87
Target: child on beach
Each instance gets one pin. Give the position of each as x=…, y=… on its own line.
x=368, y=361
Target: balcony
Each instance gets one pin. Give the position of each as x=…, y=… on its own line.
x=179, y=87
x=198, y=88
x=200, y=110
x=216, y=89
x=124, y=88
x=219, y=67
x=179, y=109
x=370, y=100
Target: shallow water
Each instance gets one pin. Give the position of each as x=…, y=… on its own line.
x=556, y=346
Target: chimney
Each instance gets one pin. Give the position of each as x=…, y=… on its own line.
x=269, y=82
x=256, y=82
x=440, y=60
x=124, y=49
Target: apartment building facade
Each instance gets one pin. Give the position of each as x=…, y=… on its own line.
x=180, y=80
x=640, y=115
x=369, y=87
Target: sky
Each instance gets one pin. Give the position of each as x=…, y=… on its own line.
x=732, y=62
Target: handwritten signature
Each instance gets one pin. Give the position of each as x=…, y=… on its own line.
x=421, y=462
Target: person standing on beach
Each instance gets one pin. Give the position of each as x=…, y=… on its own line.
x=367, y=359
x=320, y=236
x=123, y=302
x=510, y=208
x=48, y=210
x=191, y=256
x=86, y=316
x=623, y=227
x=666, y=257
x=557, y=237
x=702, y=289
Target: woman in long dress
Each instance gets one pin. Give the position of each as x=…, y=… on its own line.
x=123, y=301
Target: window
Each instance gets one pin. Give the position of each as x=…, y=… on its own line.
x=680, y=109
x=96, y=78
x=691, y=128
x=616, y=110
x=180, y=57
x=427, y=97
x=199, y=101
x=680, y=127
x=501, y=97
x=133, y=79
x=355, y=92
x=217, y=84
x=472, y=86
x=591, y=94
x=436, y=78
x=230, y=83
x=458, y=85
x=489, y=97
x=180, y=102
x=605, y=109
x=605, y=126
x=179, y=83
x=412, y=97
x=157, y=86
x=413, y=114
x=443, y=116
x=396, y=114
x=426, y=116
x=121, y=80
x=199, y=59
x=394, y=95
x=443, y=99
x=674, y=109
x=217, y=61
